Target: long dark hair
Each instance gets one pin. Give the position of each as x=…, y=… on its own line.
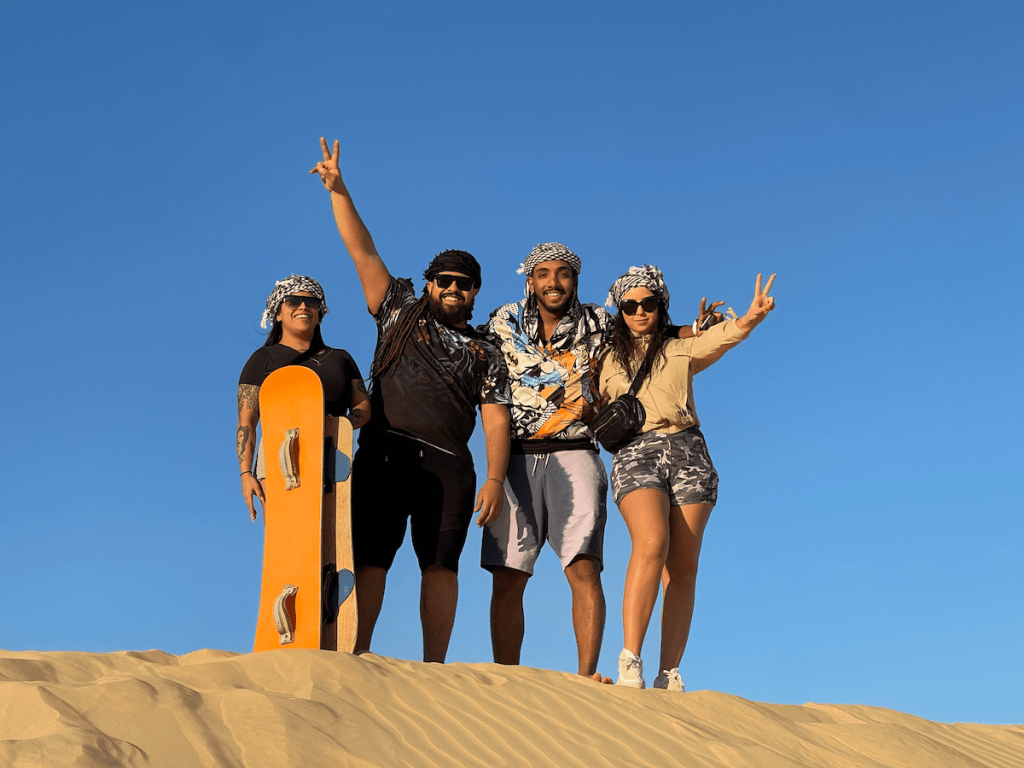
x=626, y=349
x=276, y=333
x=392, y=344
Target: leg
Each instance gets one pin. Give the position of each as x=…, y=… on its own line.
x=439, y=594
x=508, y=549
x=686, y=533
x=439, y=526
x=588, y=611
x=646, y=514
x=575, y=492
x=370, y=582
x=507, y=621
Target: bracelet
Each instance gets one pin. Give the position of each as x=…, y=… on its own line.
x=695, y=327
x=499, y=482
x=244, y=471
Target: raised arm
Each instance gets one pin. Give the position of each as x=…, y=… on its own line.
x=373, y=274
x=497, y=436
x=710, y=346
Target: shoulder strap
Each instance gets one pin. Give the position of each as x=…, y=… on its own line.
x=641, y=374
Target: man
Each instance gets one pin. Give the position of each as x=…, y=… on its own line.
x=430, y=371
x=556, y=484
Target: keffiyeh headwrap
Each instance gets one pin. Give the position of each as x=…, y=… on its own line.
x=287, y=287
x=454, y=261
x=550, y=252
x=647, y=276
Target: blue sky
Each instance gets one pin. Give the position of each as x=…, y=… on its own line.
x=867, y=544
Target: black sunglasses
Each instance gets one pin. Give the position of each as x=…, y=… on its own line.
x=461, y=282
x=630, y=306
x=311, y=302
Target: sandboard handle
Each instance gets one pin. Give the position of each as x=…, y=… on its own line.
x=283, y=623
x=288, y=459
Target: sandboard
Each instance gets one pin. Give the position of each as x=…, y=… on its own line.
x=303, y=535
x=339, y=626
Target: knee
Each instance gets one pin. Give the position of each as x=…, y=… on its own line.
x=584, y=571
x=682, y=573
x=653, y=549
x=508, y=584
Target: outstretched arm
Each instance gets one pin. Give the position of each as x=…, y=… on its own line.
x=498, y=436
x=373, y=274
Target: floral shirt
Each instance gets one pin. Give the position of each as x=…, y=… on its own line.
x=552, y=383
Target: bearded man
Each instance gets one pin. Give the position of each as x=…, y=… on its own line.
x=430, y=373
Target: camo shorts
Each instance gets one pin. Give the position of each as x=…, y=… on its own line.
x=676, y=464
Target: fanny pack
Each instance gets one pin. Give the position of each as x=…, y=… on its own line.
x=620, y=420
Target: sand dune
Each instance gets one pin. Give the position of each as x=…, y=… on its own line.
x=318, y=708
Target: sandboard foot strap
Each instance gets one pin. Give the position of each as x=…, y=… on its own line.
x=288, y=459
x=283, y=623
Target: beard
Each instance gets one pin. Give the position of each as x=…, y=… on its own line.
x=557, y=306
x=450, y=314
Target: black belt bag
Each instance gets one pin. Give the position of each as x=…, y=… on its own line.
x=621, y=420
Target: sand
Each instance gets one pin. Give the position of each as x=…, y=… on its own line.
x=319, y=708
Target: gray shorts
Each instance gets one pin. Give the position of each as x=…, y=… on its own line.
x=559, y=497
x=676, y=464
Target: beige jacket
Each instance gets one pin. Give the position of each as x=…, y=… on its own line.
x=667, y=395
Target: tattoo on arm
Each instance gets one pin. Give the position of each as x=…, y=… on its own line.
x=249, y=396
x=358, y=417
x=243, y=441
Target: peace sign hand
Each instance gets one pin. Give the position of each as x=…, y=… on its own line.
x=760, y=306
x=330, y=175
x=707, y=317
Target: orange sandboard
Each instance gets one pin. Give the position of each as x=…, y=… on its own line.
x=300, y=592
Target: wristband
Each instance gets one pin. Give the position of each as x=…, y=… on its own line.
x=499, y=482
x=244, y=471
x=695, y=326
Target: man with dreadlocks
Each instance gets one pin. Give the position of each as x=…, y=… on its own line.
x=430, y=372
x=556, y=484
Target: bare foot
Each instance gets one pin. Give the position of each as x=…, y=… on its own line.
x=597, y=677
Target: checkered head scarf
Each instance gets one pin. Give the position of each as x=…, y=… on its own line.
x=647, y=276
x=550, y=252
x=287, y=287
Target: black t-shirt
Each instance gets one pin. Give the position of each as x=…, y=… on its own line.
x=335, y=367
x=431, y=392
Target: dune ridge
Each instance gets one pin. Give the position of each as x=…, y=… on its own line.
x=319, y=708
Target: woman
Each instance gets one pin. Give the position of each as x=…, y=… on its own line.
x=663, y=480
x=296, y=308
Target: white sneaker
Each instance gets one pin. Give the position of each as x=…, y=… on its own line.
x=670, y=680
x=631, y=670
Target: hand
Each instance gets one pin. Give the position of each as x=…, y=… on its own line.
x=330, y=175
x=702, y=314
x=489, y=502
x=759, y=307
x=251, y=487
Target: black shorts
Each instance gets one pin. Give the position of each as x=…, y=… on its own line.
x=396, y=478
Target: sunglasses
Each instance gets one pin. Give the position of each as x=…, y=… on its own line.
x=630, y=306
x=461, y=282
x=311, y=302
